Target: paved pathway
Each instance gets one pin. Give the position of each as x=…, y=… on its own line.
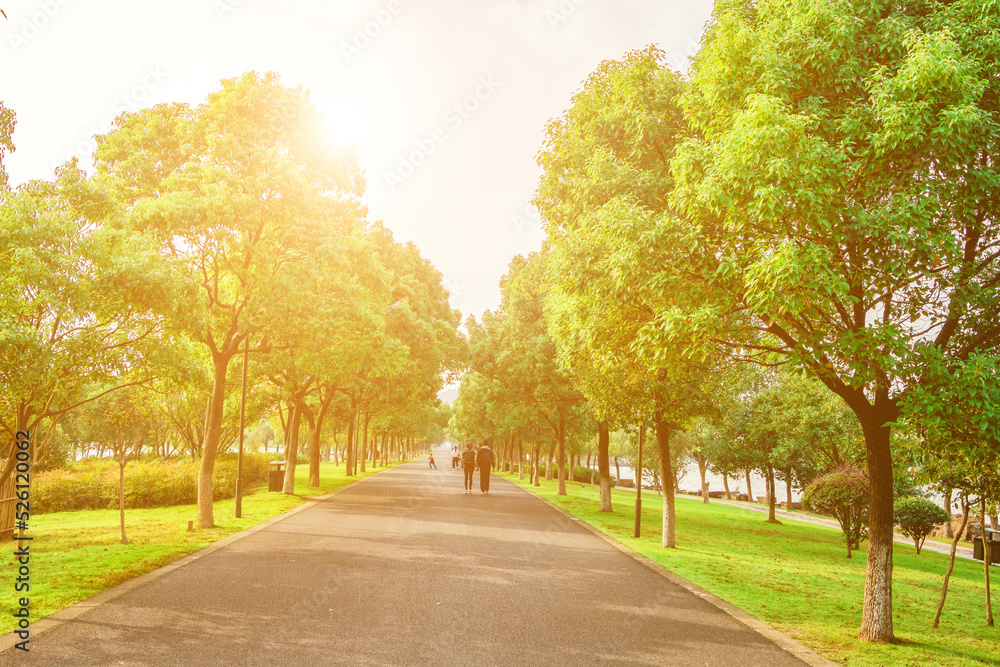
x=404, y=569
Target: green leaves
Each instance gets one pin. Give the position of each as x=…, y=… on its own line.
x=917, y=517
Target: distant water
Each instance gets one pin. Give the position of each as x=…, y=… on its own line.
x=691, y=481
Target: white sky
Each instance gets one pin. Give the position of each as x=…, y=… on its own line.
x=67, y=66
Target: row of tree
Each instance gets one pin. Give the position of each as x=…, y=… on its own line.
x=228, y=231
x=818, y=193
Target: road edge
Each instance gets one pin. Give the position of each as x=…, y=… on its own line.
x=77, y=609
x=764, y=629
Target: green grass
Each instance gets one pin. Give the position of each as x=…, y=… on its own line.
x=797, y=577
x=75, y=555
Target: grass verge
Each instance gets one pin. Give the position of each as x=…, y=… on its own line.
x=796, y=577
x=75, y=555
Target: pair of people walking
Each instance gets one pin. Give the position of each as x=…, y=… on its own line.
x=484, y=459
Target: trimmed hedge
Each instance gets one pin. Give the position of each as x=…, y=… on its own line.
x=93, y=483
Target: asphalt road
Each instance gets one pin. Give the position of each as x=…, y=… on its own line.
x=405, y=569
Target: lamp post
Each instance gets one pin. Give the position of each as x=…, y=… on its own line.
x=243, y=407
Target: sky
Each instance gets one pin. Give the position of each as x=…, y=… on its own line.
x=446, y=101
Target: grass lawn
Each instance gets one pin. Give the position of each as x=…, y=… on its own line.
x=797, y=578
x=75, y=555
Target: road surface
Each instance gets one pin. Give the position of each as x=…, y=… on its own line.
x=405, y=569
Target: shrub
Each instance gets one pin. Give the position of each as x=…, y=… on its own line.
x=917, y=517
x=93, y=483
x=158, y=483
x=842, y=494
x=65, y=489
x=581, y=473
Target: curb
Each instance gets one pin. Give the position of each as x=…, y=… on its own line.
x=766, y=630
x=77, y=609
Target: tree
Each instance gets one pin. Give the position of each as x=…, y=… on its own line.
x=958, y=414
x=8, y=119
x=529, y=355
x=842, y=494
x=123, y=421
x=837, y=200
x=917, y=517
x=232, y=191
x=697, y=448
x=322, y=336
x=82, y=303
x=606, y=178
x=422, y=348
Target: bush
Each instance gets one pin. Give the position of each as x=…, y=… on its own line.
x=917, y=517
x=64, y=489
x=93, y=483
x=842, y=494
x=581, y=473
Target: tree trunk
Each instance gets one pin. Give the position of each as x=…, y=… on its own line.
x=951, y=559
x=618, y=470
x=520, y=459
x=356, y=448
x=771, y=500
x=549, y=470
x=210, y=445
x=749, y=489
x=876, y=617
x=312, y=446
x=986, y=561
x=638, y=486
x=121, y=497
x=349, y=450
x=363, y=454
x=668, y=541
x=725, y=484
x=702, y=469
x=948, y=532
x=561, y=434
x=291, y=449
x=603, y=464
x=538, y=461
x=788, y=489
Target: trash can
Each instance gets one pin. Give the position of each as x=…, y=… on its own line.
x=275, y=475
x=993, y=541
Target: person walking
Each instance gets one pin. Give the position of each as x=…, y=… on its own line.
x=432, y=462
x=456, y=457
x=485, y=460
x=469, y=465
